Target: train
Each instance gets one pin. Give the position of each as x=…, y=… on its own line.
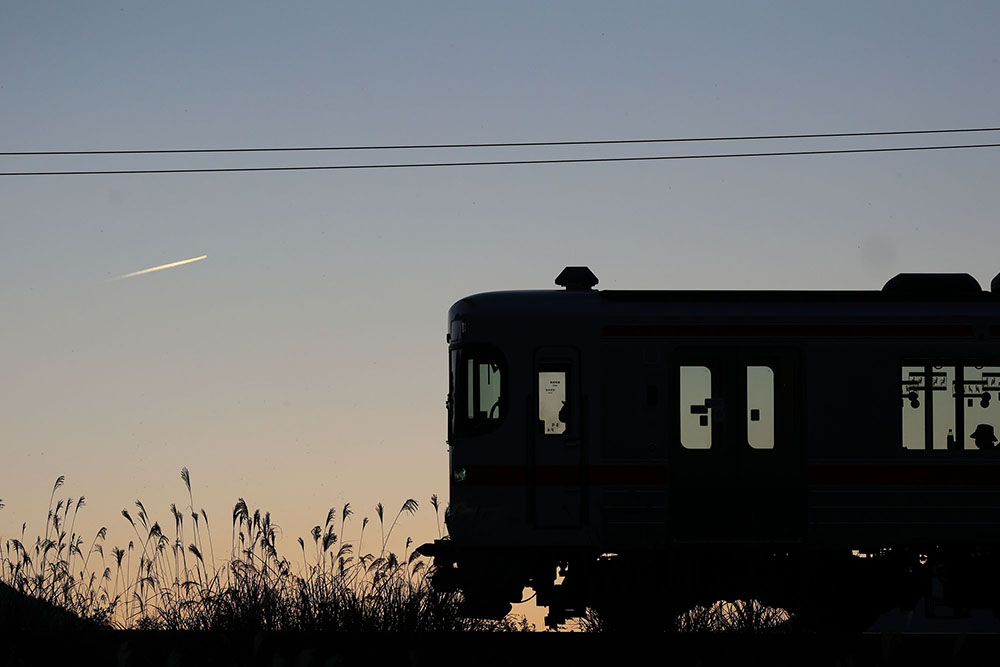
x=639, y=453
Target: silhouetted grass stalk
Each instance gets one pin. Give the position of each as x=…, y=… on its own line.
x=255, y=589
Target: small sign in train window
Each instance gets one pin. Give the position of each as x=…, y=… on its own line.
x=552, y=402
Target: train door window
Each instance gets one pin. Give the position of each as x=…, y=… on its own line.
x=696, y=407
x=760, y=407
x=552, y=409
x=477, y=389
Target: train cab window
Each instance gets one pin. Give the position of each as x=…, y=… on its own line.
x=484, y=380
x=477, y=389
x=552, y=411
x=760, y=407
x=696, y=407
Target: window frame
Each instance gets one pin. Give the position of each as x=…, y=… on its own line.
x=729, y=385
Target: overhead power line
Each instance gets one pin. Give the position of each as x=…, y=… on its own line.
x=511, y=144
x=497, y=162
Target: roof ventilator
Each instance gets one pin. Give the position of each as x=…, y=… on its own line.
x=933, y=284
x=576, y=278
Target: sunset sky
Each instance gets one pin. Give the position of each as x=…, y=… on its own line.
x=302, y=363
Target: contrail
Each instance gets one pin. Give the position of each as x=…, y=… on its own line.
x=160, y=268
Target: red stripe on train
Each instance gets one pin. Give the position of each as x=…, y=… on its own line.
x=974, y=473
x=518, y=475
x=792, y=330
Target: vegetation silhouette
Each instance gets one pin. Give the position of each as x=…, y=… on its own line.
x=165, y=582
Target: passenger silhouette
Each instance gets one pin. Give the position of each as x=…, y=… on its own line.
x=984, y=437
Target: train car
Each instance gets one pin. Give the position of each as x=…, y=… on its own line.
x=640, y=452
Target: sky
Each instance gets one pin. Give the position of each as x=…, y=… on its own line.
x=302, y=364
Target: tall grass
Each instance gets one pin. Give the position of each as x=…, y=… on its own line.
x=738, y=617
x=56, y=570
x=168, y=581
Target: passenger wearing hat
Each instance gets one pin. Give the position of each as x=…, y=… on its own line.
x=984, y=437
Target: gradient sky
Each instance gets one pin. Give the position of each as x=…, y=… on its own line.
x=303, y=364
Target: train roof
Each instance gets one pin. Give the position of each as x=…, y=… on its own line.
x=906, y=293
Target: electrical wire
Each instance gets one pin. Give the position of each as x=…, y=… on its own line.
x=513, y=144
x=210, y=170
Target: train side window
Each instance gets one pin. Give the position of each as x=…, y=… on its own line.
x=928, y=407
x=913, y=407
x=553, y=414
x=696, y=407
x=981, y=406
x=944, y=407
x=760, y=407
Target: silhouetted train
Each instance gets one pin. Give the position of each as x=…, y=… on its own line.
x=831, y=453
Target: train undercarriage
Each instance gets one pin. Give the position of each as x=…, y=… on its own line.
x=840, y=591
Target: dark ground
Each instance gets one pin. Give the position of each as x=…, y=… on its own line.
x=21, y=613
x=32, y=632
x=302, y=649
